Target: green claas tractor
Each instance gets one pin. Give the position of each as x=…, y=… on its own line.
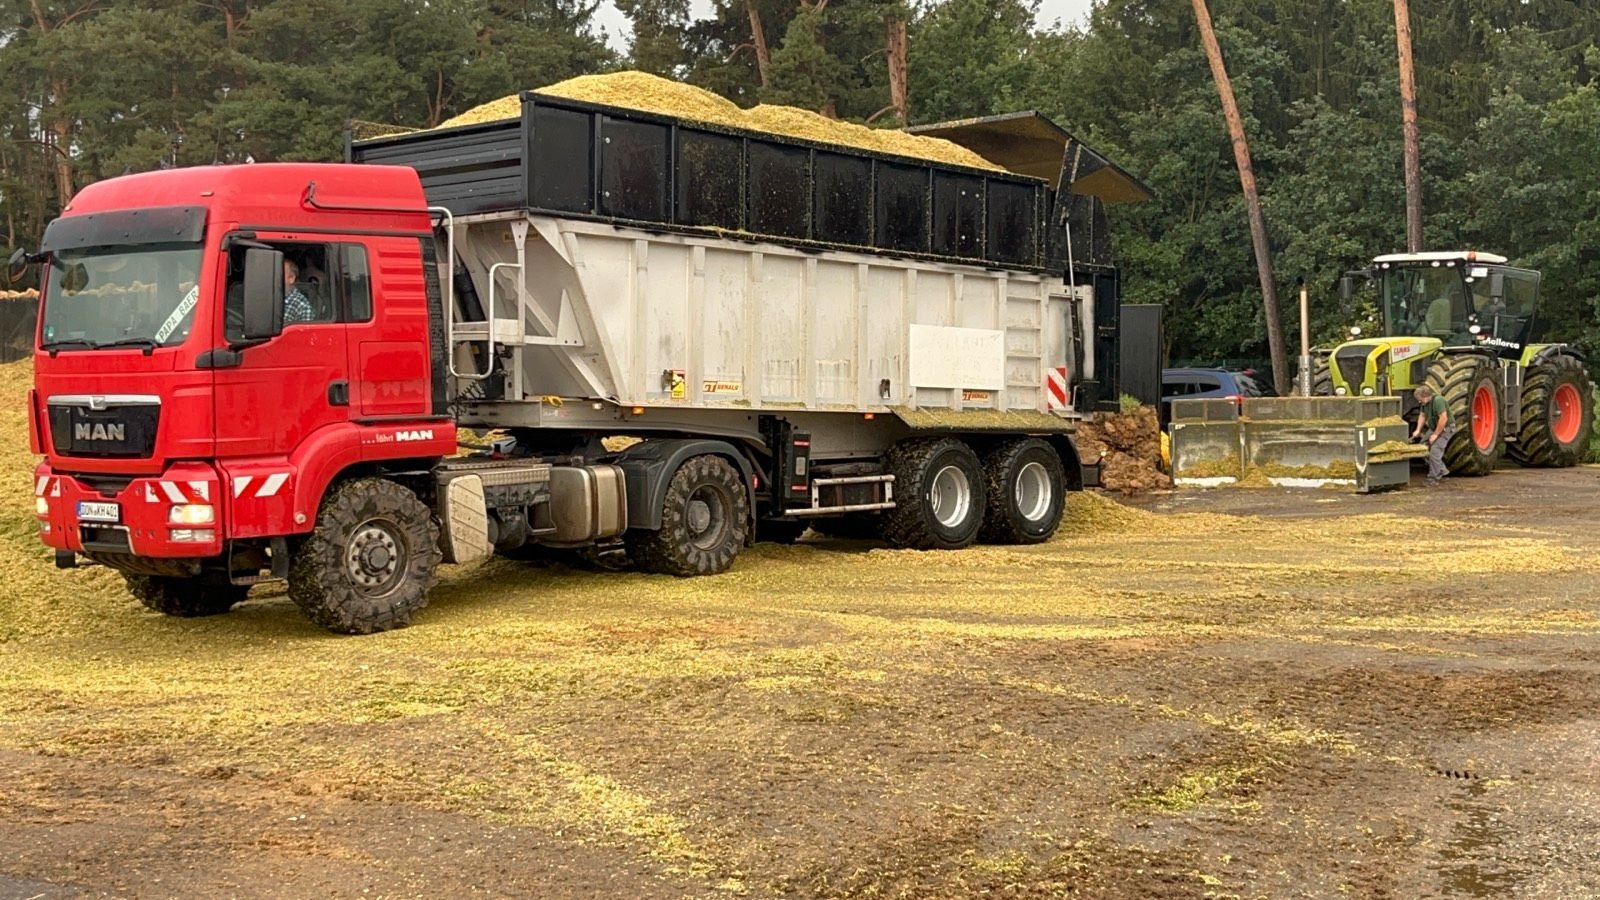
x=1467, y=325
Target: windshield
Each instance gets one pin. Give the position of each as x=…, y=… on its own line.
x=103, y=296
x=1431, y=301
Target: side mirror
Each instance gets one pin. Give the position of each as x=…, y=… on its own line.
x=16, y=266
x=1497, y=287
x=263, y=293
x=1347, y=294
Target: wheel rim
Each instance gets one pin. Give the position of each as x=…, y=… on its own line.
x=951, y=496
x=706, y=517
x=375, y=557
x=1484, y=418
x=1566, y=414
x=1033, y=493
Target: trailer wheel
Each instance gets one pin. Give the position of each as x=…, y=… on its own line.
x=370, y=562
x=1557, y=415
x=1023, y=481
x=704, y=521
x=205, y=595
x=939, y=495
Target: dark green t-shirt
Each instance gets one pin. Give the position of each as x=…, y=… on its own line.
x=1433, y=411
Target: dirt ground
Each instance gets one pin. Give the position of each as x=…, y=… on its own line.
x=1229, y=693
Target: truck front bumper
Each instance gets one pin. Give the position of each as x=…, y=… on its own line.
x=176, y=515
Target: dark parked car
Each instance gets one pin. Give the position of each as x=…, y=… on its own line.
x=1195, y=384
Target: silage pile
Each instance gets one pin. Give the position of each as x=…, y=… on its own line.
x=650, y=93
x=29, y=294
x=1128, y=446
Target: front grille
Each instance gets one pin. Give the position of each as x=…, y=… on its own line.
x=118, y=431
x=1352, y=362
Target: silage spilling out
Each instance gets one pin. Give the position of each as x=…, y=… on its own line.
x=650, y=93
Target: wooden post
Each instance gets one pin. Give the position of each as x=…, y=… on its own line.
x=1408, y=118
x=1252, y=199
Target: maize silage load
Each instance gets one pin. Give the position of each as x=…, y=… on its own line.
x=650, y=93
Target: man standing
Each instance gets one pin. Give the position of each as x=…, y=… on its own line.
x=1434, y=419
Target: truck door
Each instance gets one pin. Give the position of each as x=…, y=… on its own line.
x=385, y=306
x=285, y=389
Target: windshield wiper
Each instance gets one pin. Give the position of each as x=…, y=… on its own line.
x=54, y=347
x=147, y=344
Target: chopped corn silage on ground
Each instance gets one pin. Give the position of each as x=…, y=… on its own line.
x=724, y=734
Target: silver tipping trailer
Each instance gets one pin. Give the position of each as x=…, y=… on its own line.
x=796, y=334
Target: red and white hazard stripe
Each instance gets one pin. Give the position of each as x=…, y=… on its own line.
x=1055, y=388
x=266, y=487
x=177, y=492
x=46, y=483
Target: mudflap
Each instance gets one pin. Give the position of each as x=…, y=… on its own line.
x=1356, y=443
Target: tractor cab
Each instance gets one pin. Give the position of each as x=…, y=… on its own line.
x=1459, y=299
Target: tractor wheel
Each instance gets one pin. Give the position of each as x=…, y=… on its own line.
x=370, y=562
x=939, y=495
x=1557, y=414
x=704, y=521
x=205, y=595
x=1321, y=377
x=1024, y=485
x=1469, y=386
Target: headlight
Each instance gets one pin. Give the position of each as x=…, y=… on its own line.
x=1355, y=331
x=1340, y=391
x=41, y=506
x=192, y=514
x=1366, y=392
x=193, y=535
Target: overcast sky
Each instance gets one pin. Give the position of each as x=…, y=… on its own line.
x=1070, y=12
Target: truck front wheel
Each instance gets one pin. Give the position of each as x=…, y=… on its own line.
x=369, y=563
x=204, y=595
x=704, y=520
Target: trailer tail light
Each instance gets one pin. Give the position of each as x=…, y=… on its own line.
x=1237, y=399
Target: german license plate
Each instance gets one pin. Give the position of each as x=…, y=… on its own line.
x=92, y=511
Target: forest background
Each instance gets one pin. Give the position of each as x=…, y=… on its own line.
x=1510, y=113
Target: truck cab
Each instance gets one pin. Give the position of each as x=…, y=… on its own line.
x=211, y=356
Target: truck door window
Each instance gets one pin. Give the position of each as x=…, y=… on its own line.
x=309, y=299
x=357, y=283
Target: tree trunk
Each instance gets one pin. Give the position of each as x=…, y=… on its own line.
x=898, y=97
x=758, y=36
x=1408, y=119
x=59, y=138
x=1252, y=200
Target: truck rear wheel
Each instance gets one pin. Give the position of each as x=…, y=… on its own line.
x=203, y=595
x=1557, y=415
x=370, y=562
x=939, y=495
x=1023, y=481
x=704, y=521
x=1468, y=384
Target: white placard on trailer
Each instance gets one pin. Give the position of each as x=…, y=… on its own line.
x=943, y=357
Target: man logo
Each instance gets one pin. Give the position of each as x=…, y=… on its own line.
x=423, y=434
x=99, y=431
